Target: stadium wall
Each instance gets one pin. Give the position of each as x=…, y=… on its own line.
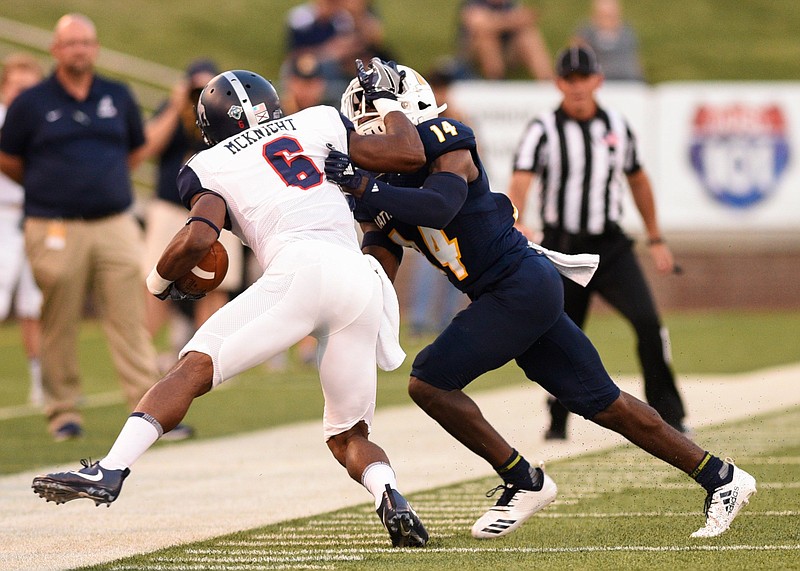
x=723, y=160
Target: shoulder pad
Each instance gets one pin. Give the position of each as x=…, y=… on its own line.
x=442, y=135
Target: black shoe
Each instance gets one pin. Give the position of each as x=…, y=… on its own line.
x=68, y=431
x=555, y=434
x=558, y=420
x=93, y=482
x=401, y=521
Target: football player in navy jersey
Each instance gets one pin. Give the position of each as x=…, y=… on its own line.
x=447, y=211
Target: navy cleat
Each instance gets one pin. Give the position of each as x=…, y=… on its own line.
x=401, y=521
x=93, y=482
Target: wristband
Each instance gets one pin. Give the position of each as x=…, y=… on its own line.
x=384, y=106
x=655, y=241
x=155, y=283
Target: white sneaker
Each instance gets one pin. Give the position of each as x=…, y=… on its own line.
x=724, y=503
x=513, y=508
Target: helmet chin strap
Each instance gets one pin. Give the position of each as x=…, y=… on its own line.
x=247, y=105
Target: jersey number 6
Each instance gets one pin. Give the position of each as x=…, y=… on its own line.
x=285, y=156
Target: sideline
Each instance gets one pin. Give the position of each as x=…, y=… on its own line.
x=90, y=401
x=194, y=491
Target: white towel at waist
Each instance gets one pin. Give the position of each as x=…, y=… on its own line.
x=578, y=267
x=389, y=354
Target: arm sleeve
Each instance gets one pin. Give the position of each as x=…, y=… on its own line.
x=434, y=205
x=378, y=238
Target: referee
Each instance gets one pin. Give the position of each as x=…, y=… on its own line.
x=582, y=154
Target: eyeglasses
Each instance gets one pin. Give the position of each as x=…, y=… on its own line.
x=77, y=43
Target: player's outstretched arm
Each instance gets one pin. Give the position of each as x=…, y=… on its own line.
x=399, y=150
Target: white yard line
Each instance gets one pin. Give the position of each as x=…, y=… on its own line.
x=198, y=490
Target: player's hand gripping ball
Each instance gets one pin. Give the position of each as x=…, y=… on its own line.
x=207, y=274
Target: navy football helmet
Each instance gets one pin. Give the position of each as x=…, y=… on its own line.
x=235, y=101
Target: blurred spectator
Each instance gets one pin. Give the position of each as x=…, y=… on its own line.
x=304, y=85
x=172, y=138
x=71, y=141
x=613, y=41
x=434, y=302
x=368, y=29
x=20, y=71
x=495, y=35
x=326, y=30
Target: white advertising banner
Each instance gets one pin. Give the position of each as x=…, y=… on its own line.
x=727, y=156
x=720, y=155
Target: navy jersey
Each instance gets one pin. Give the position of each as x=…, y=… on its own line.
x=75, y=152
x=480, y=244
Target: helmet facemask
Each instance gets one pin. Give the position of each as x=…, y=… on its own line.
x=416, y=100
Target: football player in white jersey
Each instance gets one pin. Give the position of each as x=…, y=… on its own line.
x=263, y=178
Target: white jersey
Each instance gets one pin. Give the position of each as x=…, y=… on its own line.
x=316, y=281
x=272, y=179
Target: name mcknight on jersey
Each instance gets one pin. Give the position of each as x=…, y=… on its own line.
x=246, y=138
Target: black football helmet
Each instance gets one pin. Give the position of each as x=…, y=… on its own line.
x=235, y=101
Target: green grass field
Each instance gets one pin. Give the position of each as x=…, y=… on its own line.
x=615, y=510
x=706, y=342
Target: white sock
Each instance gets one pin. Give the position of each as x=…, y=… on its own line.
x=375, y=478
x=138, y=434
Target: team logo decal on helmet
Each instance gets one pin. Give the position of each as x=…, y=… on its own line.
x=235, y=112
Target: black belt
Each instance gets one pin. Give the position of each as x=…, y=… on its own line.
x=611, y=228
x=84, y=218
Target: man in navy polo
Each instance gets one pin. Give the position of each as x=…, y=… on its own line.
x=71, y=141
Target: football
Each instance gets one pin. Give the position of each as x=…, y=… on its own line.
x=207, y=274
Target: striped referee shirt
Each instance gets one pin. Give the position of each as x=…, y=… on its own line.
x=582, y=167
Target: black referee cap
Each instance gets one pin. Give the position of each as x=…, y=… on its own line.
x=577, y=59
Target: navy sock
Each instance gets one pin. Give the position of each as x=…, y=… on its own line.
x=711, y=473
x=518, y=471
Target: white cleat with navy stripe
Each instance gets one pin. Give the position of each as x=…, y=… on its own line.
x=513, y=508
x=724, y=503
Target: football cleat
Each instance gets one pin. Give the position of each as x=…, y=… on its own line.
x=68, y=431
x=401, y=521
x=513, y=508
x=723, y=504
x=93, y=482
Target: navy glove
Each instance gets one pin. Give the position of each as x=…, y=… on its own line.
x=340, y=169
x=173, y=293
x=382, y=81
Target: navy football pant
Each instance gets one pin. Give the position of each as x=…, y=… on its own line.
x=521, y=318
